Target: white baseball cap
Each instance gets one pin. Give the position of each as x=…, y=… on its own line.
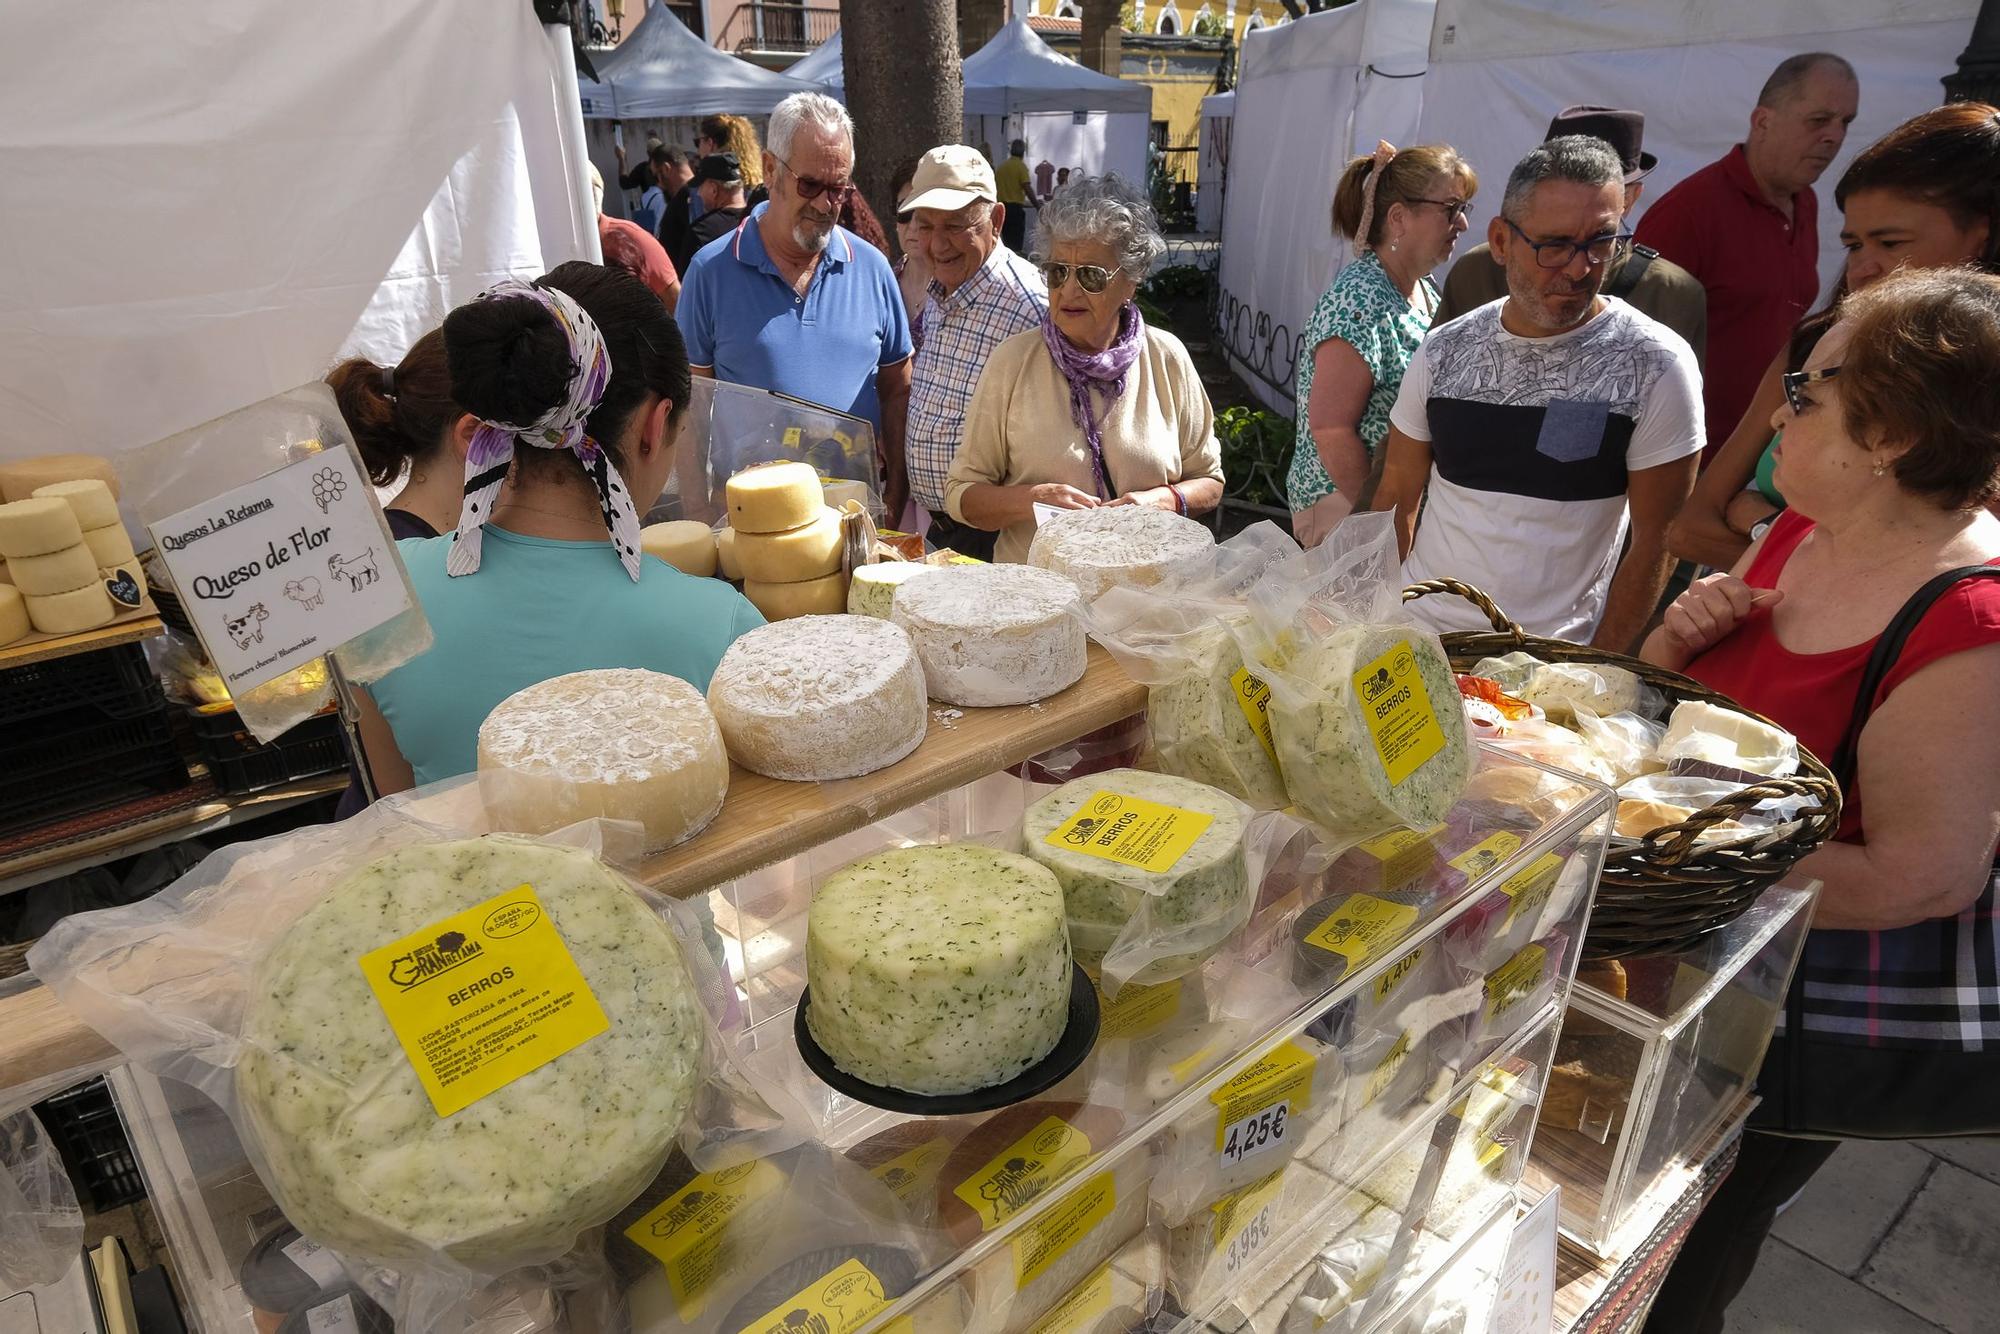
x=950, y=178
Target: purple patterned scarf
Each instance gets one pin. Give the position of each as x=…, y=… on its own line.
x=1104, y=372
x=491, y=451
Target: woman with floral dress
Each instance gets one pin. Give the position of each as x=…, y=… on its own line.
x=1403, y=212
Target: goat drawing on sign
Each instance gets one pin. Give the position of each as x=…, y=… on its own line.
x=358, y=571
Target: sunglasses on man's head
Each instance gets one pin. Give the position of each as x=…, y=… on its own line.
x=811, y=187
x=1091, y=278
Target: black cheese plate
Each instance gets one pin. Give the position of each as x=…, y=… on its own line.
x=1079, y=1036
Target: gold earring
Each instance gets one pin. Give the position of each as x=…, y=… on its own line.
x=1881, y=470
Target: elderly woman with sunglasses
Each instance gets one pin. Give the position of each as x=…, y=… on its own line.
x=1093, y=408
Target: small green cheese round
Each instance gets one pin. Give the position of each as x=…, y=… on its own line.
x=1201, y=730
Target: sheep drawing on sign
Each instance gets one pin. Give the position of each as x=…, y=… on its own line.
x=358, y=571
x=306, y=592
x=248, y=628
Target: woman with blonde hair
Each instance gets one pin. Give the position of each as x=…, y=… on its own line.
x=733, y=134
x=1403, y=212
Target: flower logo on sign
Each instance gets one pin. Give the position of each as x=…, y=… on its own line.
x=328, y=486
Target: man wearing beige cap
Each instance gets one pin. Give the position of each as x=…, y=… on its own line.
x=981, y=294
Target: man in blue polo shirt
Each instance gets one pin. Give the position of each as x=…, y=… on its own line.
x=793, y=302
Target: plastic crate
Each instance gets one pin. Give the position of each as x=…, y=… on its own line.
x=240, y=764
x=84, y=1124
x=116, y=682
x=61, y=764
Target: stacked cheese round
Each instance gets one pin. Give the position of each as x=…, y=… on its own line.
x=622, y=744
x=994, y=634
x=14, y=621
x=872, y=591
x=820, y=697
x=96, y=508
x=351, y=1145
x=1198, y=901
x=1126, y=546
x=682, y=543
x=938, y=969
x=48, y=561
x=787, y=545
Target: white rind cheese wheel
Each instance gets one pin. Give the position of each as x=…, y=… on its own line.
x=872, y=589
x=354, y=1151
x=92, y=500
x=124, y=570
x=726, y=563
x=13, y=615
x=21, y=478
x=1129, y=546
x=1209, y=884
x=682, y=543
x=820, y=697
x=994, y=634
x=938, y=969
x=809, y=551
x=774, y=498
x=35, y=527
x=80, y=609
x=109, y=545
x=622, y=743
x=825, y=596
x=57, y=572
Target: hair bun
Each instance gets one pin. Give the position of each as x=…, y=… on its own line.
x=509, y=360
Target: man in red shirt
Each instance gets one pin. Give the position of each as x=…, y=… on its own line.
x=629, y=246
x=1748, y=227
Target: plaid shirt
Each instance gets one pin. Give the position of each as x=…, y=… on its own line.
x=960, y=331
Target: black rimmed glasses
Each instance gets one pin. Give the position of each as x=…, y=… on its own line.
x=1091, y=278
x=1796, y=381
x=1453, y=208
x=1558, y=254
x=811, y=187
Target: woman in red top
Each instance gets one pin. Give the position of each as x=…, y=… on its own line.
x=1890, y=451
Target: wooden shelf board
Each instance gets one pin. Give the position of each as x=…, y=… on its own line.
x=135, y=626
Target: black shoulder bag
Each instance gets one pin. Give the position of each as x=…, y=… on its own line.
x=1636, y=263
x=1812, y=1087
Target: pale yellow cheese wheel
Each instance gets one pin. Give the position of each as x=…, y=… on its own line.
x=725, y=556
x=57, y=572
x=13, y=614
x=92, y=500
x=109, y=545
x=36, y=527
x=774, y=498
x=682, y=543
x=83, y=608
x=130, y=570
x=825, y=596
x=19, y=478
x=806, y=552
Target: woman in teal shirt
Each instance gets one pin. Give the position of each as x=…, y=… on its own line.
x=574, y=389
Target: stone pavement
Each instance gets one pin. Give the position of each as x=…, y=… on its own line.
x=1887, y=1239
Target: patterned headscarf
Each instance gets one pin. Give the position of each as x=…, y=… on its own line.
x=1385, y=153
x=561, y=427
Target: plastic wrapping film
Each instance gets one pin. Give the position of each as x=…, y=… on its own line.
x=730, y=427
x=1365, y=712
x=250, y=979
x=197, y=465
x=41, y=1225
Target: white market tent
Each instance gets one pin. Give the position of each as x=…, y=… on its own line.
x=1218, y=115
x=171, y=258
x=822, y=67
x=1018, y=86
x=1312, y=93
x=664, y=70
x=1501, y=68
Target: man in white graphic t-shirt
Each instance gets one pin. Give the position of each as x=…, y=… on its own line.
x=1546, y=424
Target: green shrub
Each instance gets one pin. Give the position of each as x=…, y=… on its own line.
x=1256, y=452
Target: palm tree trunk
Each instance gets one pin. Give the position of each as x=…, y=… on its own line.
x=904, y=87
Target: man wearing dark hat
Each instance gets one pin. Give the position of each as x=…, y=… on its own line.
x=1654, y=286
x=719, y=182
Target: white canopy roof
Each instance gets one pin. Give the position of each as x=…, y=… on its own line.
x=662, y=69
x=1017, y=72
x=822, y=67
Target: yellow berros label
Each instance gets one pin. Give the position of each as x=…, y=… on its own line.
x=1361, y=926
x=689, y=1232
x=483, y=997
x=1049, y=1238
x=1023, y=1170
x=1131, y=831
x=839, y=1303
x=1398, y=711
x=1253, y=696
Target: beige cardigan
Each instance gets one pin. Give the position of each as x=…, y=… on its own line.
x=1018, y=429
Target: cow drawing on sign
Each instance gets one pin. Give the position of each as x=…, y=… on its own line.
x=358, y=571
x=248, y=628
x=306, y=592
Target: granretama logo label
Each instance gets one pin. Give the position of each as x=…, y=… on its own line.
x=435, y=959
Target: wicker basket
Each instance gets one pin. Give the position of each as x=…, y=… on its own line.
x=1663, y=895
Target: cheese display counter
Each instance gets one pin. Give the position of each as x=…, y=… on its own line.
x=1303, y=1131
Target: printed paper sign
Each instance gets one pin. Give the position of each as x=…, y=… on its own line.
x=1131, y=831
x=1043, y=513
x=284, y=569
x=317, y=1262
x=1528, y=1282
